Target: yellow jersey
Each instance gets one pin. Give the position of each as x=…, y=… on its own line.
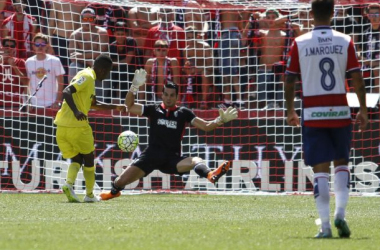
x=84, y=83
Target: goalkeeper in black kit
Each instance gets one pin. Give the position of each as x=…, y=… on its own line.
x=167, y=125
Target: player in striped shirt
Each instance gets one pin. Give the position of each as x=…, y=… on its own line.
x=322, y=57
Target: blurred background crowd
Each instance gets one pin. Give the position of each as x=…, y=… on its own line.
x=220, y=56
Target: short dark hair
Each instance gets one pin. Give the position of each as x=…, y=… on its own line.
x=118, y=12
x=171, y=85
x=272, y=11
x=322, y=9
x=121, y=26
x=103, y=61
x=21, y=1
x=8, y=39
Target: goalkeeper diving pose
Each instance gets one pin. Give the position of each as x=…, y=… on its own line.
x=167, y=124
x=74, y=133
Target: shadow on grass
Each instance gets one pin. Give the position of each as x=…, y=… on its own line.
x=333, y=238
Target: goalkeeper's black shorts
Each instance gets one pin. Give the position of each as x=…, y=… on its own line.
x=158, y=159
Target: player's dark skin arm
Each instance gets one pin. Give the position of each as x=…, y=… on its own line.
x=106, y=106
x=359, y=88
x=290, y=80
x=68, y=97
x=292, y=117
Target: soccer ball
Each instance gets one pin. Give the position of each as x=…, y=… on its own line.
x=127, y=141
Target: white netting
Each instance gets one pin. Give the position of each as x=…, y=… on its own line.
x=226, y=58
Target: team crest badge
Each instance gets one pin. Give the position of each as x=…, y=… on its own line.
x=81, y=80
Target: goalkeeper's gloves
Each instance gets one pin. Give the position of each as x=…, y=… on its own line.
x=226, y=116
x=138, y=80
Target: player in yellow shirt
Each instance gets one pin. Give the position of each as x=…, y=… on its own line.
x=74, y=133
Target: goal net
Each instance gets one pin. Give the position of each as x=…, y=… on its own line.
x=221, y=53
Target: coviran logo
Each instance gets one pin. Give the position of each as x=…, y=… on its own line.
x=330, y=114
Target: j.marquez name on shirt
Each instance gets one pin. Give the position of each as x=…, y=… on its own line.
x=167, y=123
x=324, y=50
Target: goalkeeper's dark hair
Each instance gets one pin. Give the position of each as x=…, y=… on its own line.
x=322, y=9
x=171, y=85
x=103, y=61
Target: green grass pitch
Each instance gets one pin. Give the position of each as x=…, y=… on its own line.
x=168, y=221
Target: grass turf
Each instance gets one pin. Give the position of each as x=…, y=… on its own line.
x=48, y=221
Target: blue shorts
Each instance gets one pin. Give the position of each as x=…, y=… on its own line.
x=326, y=144
x=230, y=47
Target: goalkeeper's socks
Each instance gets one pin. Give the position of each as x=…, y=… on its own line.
x=341, y=190
x=201, y=169
x=72, y=173
x=322, y=198
x=115, y=189
x=89, y=176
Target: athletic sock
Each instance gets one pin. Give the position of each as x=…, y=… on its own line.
x=341, y=190
x=72, y=173
x=322, y=198
x=201, y=169
x=89, y=176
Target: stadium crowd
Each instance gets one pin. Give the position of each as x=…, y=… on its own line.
x=220, y=57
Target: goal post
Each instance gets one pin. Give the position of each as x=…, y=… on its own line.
x=220, y=55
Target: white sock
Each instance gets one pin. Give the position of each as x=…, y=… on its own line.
x=322, y=198
x=341, y=190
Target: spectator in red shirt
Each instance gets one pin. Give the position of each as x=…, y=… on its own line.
x=6, y=9
x=21, y=27
x=13, y=80
x=168, y=31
